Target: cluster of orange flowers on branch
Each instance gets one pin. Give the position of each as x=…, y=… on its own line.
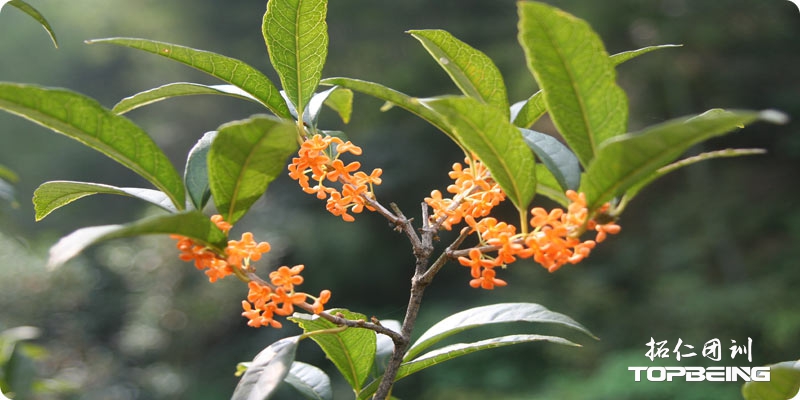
x=319, y=157
x=265, y=299
x=553, y=241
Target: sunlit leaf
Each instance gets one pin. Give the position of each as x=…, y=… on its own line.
x=35, y=14
x=486, y=315
x=178, y=89
x=351, y=350
x=573, y=70
x=485, y=131
x=297, y=39
x=244, y=159
x=783, y=384
x=341, y=101
x=195, y=175
x=192, y=224
x=85, y=120
x=439, y=356
x=709, y=155
x=310, y=381
x=53, y=195
x=402, y=100
x=470, y=69
x=559, y=159
x=267, y=370
x=624, y=161
x=230, y=70
x=314, y=108
x=620, y=58
x=525, y=113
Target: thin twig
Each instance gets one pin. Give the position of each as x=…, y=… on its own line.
x=437, y=265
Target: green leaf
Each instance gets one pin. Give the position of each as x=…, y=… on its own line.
x=559, y=159
x=178, y=89
x=244, y=159
x=195, y=176
x=85, y=120
x=491, y=314
x=620, y=58
x=624, y=161
x=573, y=69
x=709, y=155
x=783, y=384
x=547, y=185
x=191, y=224
x=484, y=130
x=470, y=69
x=28, y=9
x=297, y=39
x=53, y=195
x=8, y=174
x=351, y=350
x=411, y=104
x=230, y=70
x=310, y=381
x=341, y=101
x=525, y=113
x=439, y=356
x=266, y=372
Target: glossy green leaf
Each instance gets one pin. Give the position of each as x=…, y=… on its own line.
x=486, y=315
x=351, y=350
x=341, y=101
x=267, y=370
x=195, y=175
x=525, y=113
x=315, y=104
x=311, y=382
x=85, y=120
x=35, y=14
x=573, y=70
x=230, y=70
x=297, y=39
x=244, y=159
x=783, y=384
x=559, y=159
x=470, y=69
x=192, y=224
x=178, y=89
x=485, y=131
x=53, y=195
x=411, y=104
x=624, y=161
x=439, y=356
x=709, y=155
x=620, y=58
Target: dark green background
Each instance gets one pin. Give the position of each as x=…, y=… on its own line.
x=708, y=252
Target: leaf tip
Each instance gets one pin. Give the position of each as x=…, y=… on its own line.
x=774, y=116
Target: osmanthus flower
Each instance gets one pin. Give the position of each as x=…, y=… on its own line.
x=553, y=240
x=265, y=300
x=319, y=157
x=475, y=194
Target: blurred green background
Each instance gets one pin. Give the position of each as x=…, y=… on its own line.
x=707, y=252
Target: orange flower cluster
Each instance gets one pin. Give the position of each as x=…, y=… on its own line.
x=553, y=241
x=268, y=299
x=265, y=301
x=316, y=157
x=476, y=193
